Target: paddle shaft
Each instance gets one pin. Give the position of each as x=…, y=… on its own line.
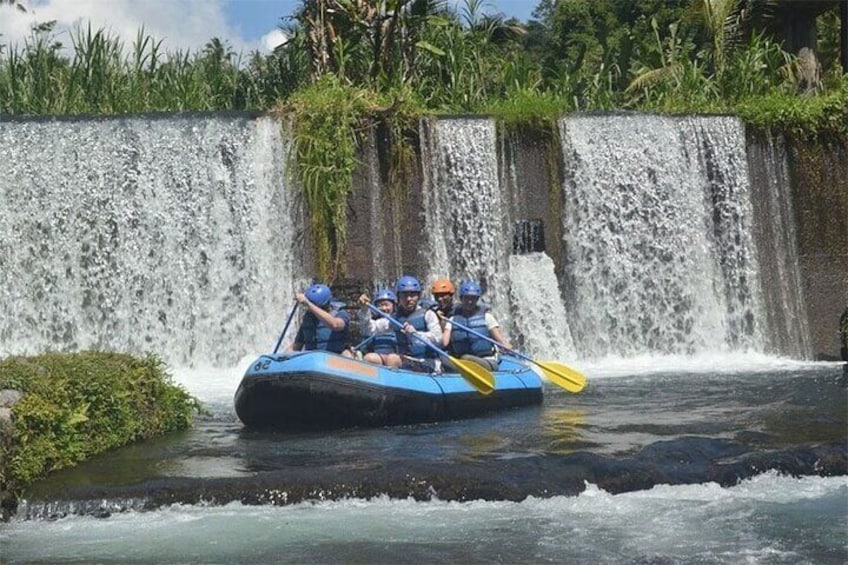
x=364, y=341
x=286, y=328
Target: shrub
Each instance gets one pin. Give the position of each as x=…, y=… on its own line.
x=78, y=405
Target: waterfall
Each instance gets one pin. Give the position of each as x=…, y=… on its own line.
x=657, y=228
x=140, y=234
x=465, y=213
x=539, y=315
x=176, y=235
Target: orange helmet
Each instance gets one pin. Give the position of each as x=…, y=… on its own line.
x=442, y=286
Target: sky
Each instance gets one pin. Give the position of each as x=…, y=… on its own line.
x=183, y=24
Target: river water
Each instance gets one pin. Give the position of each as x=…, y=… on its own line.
x=721, y=459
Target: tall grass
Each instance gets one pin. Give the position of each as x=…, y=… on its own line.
x=103, y=76
x=330, y=120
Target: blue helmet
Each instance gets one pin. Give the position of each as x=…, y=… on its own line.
x=319, y=294
x=470, y=288
x=408, y=284
x=385, y=294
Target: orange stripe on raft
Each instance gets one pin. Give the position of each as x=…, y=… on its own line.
x=352, y=366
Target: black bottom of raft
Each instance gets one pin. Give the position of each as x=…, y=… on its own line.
x=313, y=400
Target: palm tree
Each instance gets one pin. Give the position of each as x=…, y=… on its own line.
x=218, y=52
x=363, y=40
x=726, y=23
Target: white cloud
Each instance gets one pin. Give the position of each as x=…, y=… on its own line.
x=179, y=24
x=273, y=39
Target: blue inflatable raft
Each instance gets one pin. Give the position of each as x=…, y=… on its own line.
x=320, y=390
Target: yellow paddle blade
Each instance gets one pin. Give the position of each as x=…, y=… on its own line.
x=479, y=377
x=563, y=375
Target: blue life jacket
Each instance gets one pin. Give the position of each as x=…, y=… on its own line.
x=463, y=342
x=409, y=345
x=384, y=342
x=315, y=334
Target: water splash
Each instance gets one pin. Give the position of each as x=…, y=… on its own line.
x=539, y=315
x=139, y=234
x=770, y=518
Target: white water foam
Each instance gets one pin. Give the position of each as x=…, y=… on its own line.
x=692, y=366
x=539, y=315
x=212, y=385
x=770, y=517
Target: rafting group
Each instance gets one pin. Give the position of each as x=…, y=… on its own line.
x=403, y=334
x=400, y=332
x=416, y=363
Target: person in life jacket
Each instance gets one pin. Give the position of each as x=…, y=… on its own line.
x=382, y=345
x=418, y=323
x=471, y=314
x=323, y=327
x=443, y=291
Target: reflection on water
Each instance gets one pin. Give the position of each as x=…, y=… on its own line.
x=562, y=427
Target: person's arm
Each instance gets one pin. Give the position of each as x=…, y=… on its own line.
x=434, y=328
x=333, y=322
x=380, y=325
x=340, y=320
x=495, y=331
x=446, y=334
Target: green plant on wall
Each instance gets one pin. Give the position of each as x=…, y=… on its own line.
x=327, y=120
x=402, y=136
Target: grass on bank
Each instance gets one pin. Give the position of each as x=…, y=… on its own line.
x=79, y=405
x=824, y=115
